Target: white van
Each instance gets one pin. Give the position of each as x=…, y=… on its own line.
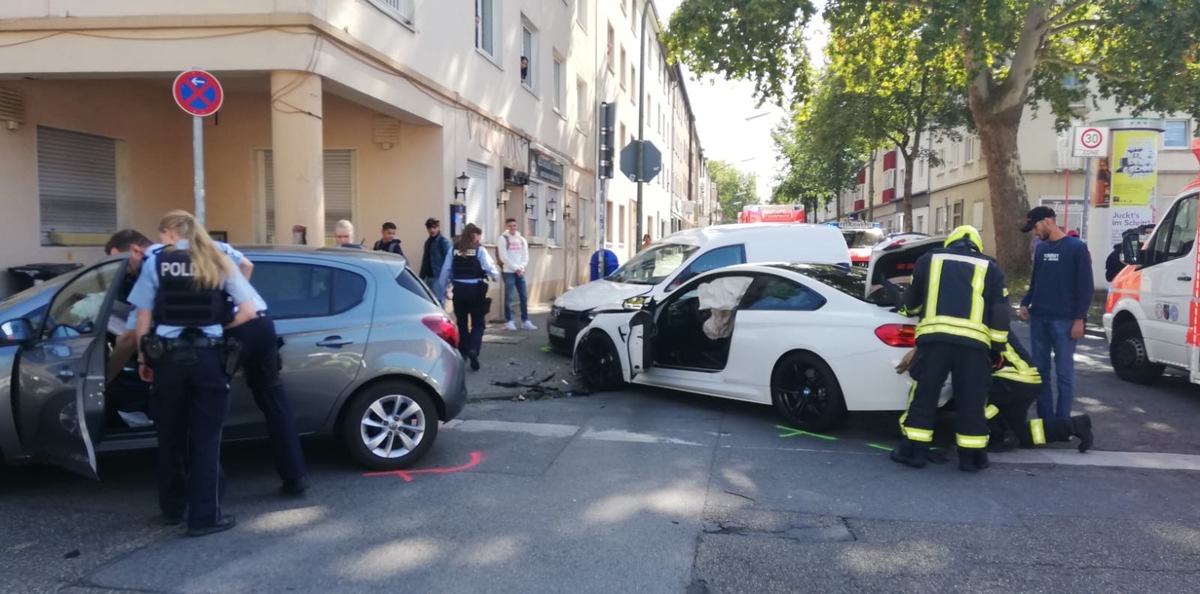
x=1151, y=318
x=680, y=256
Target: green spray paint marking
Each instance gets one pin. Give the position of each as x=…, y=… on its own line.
x=880, y=447
x=795, y=432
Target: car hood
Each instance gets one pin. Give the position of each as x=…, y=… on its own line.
x=603, y=294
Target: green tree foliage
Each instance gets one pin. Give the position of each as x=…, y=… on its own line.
x=1002, y=54
x=735, y=189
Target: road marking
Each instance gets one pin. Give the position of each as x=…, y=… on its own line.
x=630, y=437
x=535, y=429
x=1098, y=458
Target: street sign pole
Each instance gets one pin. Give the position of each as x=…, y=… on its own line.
x=199, y=94
x=641, y=101
x=198, y=165
x=1087, y=199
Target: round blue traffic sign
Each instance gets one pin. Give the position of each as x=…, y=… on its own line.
x=198, y=93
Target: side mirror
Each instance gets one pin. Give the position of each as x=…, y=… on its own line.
x=634, y=303
x=16, y=331
x=1131, y=247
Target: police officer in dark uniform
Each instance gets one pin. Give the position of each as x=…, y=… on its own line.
x=961, y=297
x=260, y=366
x=182, y=305
x=1015, y=387
x=469, y=267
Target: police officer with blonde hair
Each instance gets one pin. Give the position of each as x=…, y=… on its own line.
x=959, y=294
x=183, y=311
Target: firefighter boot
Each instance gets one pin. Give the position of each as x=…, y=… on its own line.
x=972, y=460
x=1081, y=427
x=911, y=453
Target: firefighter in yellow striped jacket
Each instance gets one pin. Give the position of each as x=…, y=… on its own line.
x=1014, y=388
x=960, y=295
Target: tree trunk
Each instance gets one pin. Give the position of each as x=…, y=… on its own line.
x=909, y=162
x=870, y=214
x=1006, y=183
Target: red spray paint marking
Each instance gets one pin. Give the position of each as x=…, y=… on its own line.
x=476, y=458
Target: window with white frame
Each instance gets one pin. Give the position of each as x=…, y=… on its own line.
x=957, y=216
x=533, y=207
x=402, y=10
x=633, y=83
x=1177, y=135
x=560, y=84
x=338, y=167
x=608, y=221
x=529, y=52
x=582, y=104
x=77, y=185
x=485, y=26
x=969, y=149
x=889, y=179
x=553, y=205
x=621, y=225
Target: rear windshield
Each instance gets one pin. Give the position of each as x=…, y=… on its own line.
x=413, y=285
x=865, y=238
x=851, y=281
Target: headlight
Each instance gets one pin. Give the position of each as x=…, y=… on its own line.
x=634, y=303
x=589, y=315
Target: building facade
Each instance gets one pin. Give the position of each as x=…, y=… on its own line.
x=368, y=110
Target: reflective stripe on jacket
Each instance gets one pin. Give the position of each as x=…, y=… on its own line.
x=960, y=297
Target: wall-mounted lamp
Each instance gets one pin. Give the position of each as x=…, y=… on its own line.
x=567, y=211
x=460, y=186
x=530, y=203
x=550, y=212
x=502, y=197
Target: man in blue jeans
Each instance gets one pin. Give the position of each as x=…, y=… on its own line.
x=1060, y=292
x=514, y=257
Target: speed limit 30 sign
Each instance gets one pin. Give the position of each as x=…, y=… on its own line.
x=1090, y=141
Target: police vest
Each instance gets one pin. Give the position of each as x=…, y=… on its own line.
x=958, y=307
x=179, y=302
x=466, y=264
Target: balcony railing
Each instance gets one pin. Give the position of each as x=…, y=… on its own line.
x=402, y=9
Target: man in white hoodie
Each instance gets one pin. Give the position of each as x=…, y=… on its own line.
x=514, y=255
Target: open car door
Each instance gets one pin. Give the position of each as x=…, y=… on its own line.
x=640, y=344
x=60, y=377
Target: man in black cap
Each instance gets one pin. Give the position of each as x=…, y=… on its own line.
x=436, y=248
x=1056, y=306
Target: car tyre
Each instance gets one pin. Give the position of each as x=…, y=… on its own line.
x=389, y=425
x=806, y=393
x=1129, y=357
x=599, y=363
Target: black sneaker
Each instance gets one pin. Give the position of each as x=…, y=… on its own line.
x=474, y=363
x=225, y=523
x=296, y=486
x=1081, y=427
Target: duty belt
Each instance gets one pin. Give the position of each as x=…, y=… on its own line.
x=198, y=342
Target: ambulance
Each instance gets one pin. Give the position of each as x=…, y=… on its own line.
x=861, y=237
x=1152, y=313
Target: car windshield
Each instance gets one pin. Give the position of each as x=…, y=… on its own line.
x=862, y=238
x=654, y=264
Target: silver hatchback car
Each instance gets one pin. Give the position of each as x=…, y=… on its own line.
x=368, y=357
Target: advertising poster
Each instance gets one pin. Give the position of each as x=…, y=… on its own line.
x=1135, y=171
x=1129, y=217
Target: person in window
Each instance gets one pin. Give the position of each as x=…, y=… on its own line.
x=343, y=235
x=183, y=302
x=467, y=272
x=646, y=241
x=524, y=69
x=387, y=240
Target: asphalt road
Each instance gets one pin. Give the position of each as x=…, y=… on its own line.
x=645, y=491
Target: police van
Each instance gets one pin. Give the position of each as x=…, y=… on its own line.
x=1152, y=313
x=668, y=262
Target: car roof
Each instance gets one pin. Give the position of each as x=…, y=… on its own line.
x=308, y=250
x=735, y=231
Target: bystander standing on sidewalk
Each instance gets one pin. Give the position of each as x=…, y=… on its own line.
x=514, y=257
x=1056, y=306
x=343, y=235
x=437, y=247
x=387, y=240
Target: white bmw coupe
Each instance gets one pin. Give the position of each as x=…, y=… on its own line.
x=814, y=340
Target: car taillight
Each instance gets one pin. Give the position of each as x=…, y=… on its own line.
x=443, y=327
x=897, y=335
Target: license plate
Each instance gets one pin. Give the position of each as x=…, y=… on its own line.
x=558, y=332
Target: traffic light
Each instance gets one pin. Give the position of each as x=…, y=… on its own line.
x=608, y=117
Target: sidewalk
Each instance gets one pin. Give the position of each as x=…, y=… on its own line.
x=519, y=363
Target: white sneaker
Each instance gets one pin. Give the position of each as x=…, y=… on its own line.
x=510, y=326
x=527, y=325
